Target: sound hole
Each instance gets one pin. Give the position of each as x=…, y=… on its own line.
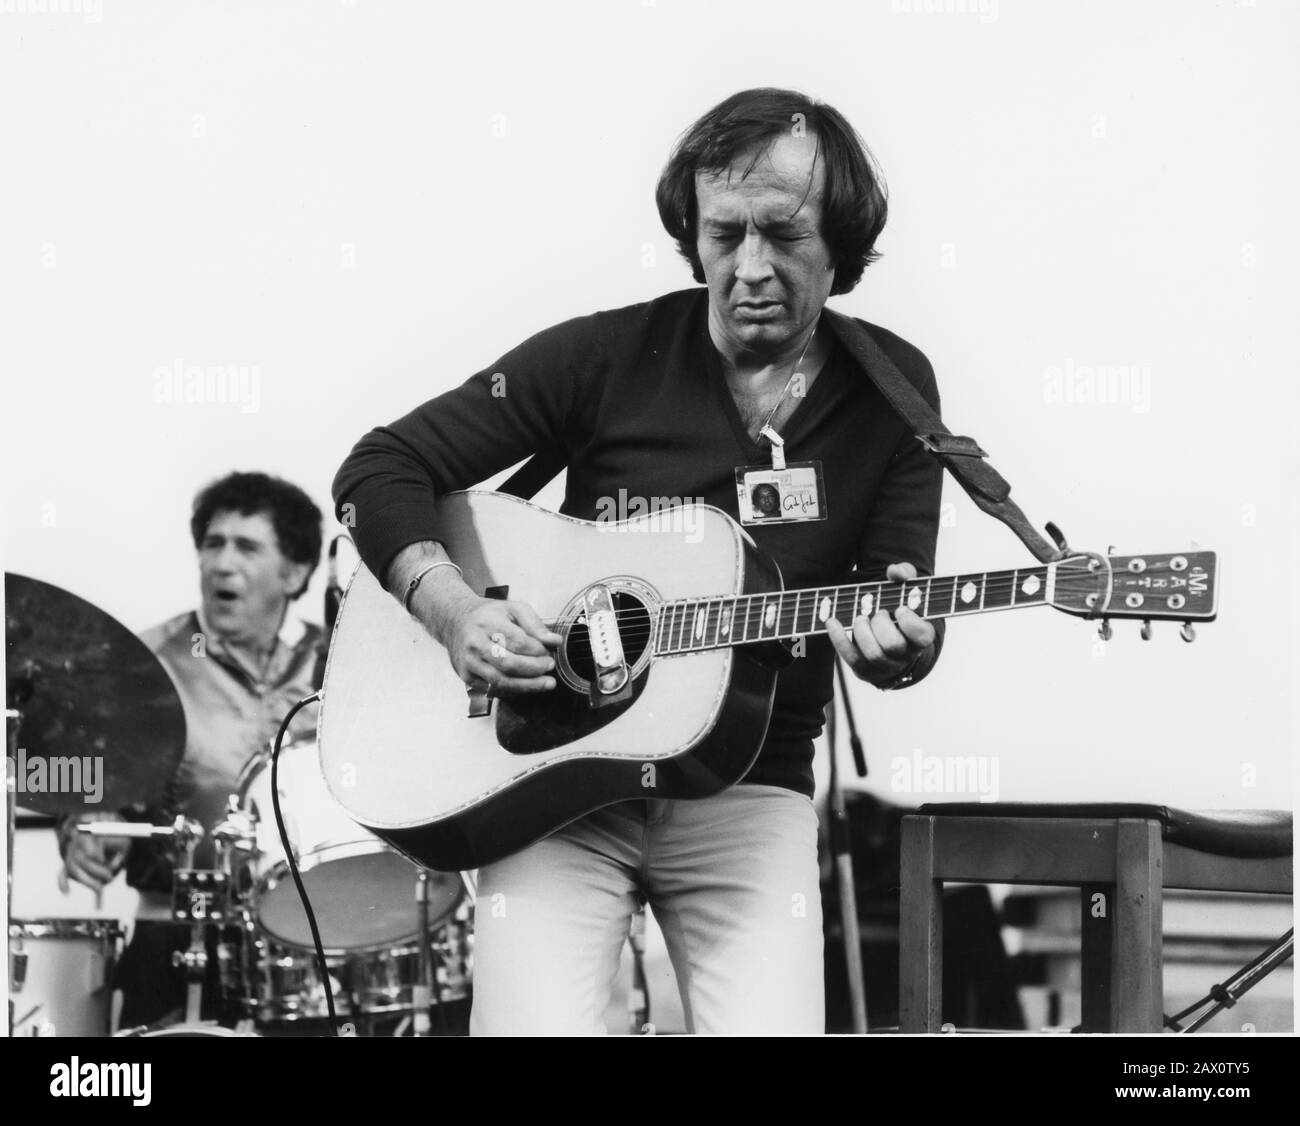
x=546, y=720
x=633, y=628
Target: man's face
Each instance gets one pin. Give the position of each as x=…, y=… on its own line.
x=768, y=269
x=245, y=578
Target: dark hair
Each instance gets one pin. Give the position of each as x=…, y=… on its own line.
x=295, y=518
x=854, y=204
x=764, y=489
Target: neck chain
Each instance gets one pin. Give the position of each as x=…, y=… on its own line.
x=767, y=422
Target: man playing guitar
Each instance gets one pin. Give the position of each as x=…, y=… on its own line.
x=741, y=390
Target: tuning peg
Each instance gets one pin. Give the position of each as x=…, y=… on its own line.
x=1187, y=633
x=1104, y=630
x=1145, y=631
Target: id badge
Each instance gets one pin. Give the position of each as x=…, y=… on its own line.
x=792, y=495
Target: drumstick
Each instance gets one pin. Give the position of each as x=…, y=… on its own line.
x=124, y=829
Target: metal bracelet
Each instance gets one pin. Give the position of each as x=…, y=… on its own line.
x=419, y=575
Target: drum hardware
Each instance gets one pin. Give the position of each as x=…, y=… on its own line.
x=277, y=983
x=102, y=723
x=287, y=989
x=13, y=718
x=83, y=686
x=201, y=897
x=421, y=993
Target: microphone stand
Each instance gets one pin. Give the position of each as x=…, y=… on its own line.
x=842, y=854
x=333, y=598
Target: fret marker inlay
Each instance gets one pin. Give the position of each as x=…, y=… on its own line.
x=699, y=624
x=769, y=616
x=726, y=620
x=1030, y=585
x=968, y=592
x=914, y=598
x=825, y=611
x=867, y=602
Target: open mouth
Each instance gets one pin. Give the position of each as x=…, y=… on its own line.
x=226, y=596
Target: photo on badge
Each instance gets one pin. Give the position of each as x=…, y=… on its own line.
x=792, y=495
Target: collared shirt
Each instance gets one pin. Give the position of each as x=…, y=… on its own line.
x=232, y=713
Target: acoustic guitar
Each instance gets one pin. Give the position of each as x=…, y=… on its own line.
x=674, y=628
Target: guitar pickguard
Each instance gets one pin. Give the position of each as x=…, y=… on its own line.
x=543, y=721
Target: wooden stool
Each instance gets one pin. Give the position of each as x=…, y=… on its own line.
x=1121, y=857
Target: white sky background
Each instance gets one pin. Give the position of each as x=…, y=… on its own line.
x=325, y=191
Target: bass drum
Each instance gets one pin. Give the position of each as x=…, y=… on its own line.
x=60, y=976
x=362, y=891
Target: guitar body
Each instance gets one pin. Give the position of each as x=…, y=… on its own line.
x=402, y=755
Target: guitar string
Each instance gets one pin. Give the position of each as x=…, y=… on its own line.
x=997, y=579
x=652, y=620
x=997, y=588
x=758, y=607
x=645, y=628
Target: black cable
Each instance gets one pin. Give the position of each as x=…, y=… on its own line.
x=1225, y=995
x=321, y=965
x=1248, y=968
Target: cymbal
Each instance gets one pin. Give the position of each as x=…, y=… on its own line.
x=97, y=709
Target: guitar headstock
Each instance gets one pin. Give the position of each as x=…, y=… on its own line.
x=1179, y=587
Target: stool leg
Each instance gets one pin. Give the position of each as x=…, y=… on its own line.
x=920, y=927
x=1096, y=929
x=1137, y=998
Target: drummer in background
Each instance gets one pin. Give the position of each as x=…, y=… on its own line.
x=239, y=662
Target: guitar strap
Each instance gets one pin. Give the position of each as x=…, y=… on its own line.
x=961, y=456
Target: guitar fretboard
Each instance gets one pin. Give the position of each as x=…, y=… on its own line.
x=694, y=625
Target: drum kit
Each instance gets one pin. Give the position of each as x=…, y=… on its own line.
x=397, y=939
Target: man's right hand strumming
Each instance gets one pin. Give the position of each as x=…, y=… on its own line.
x=501, y=645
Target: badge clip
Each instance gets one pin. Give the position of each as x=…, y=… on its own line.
x=778, y=447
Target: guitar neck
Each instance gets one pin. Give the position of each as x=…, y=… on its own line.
x=695, y=625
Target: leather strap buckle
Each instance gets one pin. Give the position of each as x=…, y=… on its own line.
x=951, y=445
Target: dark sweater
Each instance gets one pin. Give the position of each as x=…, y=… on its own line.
x=635, y=399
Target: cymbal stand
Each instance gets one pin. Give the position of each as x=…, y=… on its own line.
x=235, y=838
x=193, y=903
x=421, y=992
x=18, y=959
